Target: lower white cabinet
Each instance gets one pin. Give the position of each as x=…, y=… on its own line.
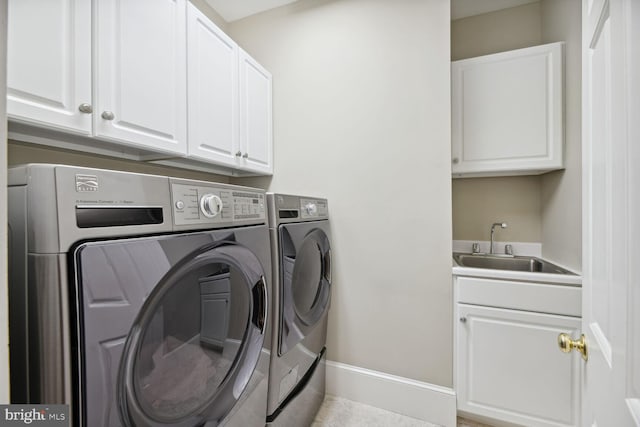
x=509, y=368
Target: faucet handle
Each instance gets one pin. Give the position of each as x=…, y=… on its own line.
x=508, y=249
x=475, y=248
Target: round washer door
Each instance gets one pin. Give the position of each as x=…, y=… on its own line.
x=196, y=341
x=306, y=284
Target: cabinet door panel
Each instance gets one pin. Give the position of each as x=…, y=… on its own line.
x=141, y=73
x=256, y=128
x=49, y=63
x=504, y=118
x=507, y=112
x=510, y=368
x=213, y=91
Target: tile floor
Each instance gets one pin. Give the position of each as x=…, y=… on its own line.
x=339, y=412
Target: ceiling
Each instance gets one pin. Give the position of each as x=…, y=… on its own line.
x=465, y=8
x=232, y=10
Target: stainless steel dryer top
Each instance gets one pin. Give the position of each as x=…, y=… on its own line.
x=285, y=208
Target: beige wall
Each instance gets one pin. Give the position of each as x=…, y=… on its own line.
x=493, y=32
x=479, y=202
x=211, y=14
x=20, y=153
x=4, y=321
x=562, y=190
x=362, y=117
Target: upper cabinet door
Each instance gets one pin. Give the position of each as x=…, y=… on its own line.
x=508, y=113
x=256, y=126
x=49, y=63
x=212, y=91
x=140, y=76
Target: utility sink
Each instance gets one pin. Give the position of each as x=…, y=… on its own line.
x=516, y=263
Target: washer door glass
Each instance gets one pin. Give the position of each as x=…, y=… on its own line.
x=306, y=284
x=196, y=340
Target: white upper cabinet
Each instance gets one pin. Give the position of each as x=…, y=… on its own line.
x=256, y=128
x=49, y=64
x=151, y=80
x=140, y=75
x=213, y=91
x=507, y=113
x=230, y=107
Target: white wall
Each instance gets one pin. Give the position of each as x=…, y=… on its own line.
x=362, y=117
x=4, y=310
x=562, y=190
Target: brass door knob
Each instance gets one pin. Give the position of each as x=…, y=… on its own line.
x=566, y=344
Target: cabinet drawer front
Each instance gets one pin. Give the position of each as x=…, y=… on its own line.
x=539, y=297
x=509, y=367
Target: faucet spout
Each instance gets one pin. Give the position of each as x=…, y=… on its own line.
x=493, y=226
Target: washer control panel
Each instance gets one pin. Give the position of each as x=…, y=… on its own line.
x=197, y=204
x=313, y=208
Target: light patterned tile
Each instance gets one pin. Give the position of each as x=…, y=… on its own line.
x=463, y=422
x=339, y=412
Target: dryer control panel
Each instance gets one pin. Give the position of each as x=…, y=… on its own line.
x=313, y=208
x=212, y=205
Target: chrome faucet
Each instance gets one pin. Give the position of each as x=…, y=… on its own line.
x=493, y=226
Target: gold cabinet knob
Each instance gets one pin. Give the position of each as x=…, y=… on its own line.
x=566, y=344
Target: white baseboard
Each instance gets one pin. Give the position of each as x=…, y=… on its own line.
x=424, y=401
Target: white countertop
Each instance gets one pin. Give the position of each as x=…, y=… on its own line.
x=561, y=279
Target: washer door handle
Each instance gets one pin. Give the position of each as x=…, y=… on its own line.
x=259, y=316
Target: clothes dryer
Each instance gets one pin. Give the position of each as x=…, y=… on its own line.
x=301, y=253
x=139, y=300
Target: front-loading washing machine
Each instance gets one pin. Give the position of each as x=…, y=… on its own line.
x=139, y=300
x=301, y=250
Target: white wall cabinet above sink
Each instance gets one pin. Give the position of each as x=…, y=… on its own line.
x=507, y=113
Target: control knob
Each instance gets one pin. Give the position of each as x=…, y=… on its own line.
x=210, y=205
x=311, y=209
